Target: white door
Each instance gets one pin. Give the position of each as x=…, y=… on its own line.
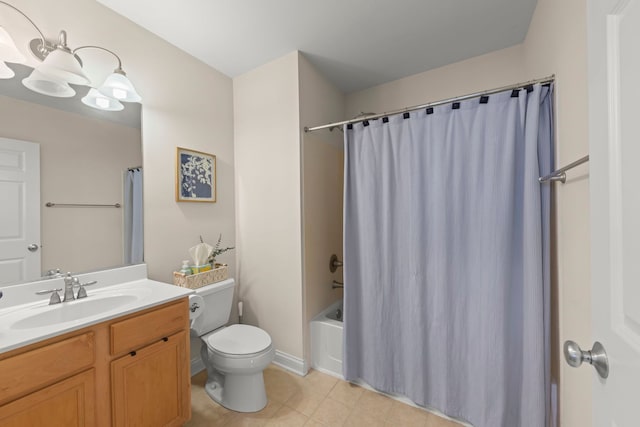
x=614, y=145
x=19, y=211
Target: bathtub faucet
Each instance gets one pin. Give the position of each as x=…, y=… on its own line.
x=337, y=285
x=334, y=263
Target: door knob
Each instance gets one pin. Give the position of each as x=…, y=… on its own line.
x=32, y=247
x=597, y=357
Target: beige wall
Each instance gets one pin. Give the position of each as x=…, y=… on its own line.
x=82, y=160
x=267, y=144
x=555, y=44
x=322, y=189
x=483, y=72
x=185, y=103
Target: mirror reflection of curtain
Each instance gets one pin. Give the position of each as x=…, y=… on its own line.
x=133, y=225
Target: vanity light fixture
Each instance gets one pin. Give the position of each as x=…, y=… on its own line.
x=96, y=99
x=60, y=62
x=61, y=66
x=8, y=50
x=48, y=85
x=117, y=85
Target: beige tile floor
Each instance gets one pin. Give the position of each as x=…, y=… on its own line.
x=317, y=400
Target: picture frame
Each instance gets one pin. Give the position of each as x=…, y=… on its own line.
x=195, y=176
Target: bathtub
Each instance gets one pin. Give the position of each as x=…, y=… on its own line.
x=326, y=340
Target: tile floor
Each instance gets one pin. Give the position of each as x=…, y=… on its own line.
x=317, y=400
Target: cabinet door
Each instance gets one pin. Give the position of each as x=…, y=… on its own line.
x=69, y=403
x=151, y=386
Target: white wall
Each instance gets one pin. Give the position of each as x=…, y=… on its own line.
x=267, y=144
x=82, y=160
x=322, y=189
x=185, y=103
x=555, y=44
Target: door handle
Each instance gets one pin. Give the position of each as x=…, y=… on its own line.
x=32, y=247
x=597, y=357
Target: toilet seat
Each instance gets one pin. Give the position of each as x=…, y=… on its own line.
x=238, y=341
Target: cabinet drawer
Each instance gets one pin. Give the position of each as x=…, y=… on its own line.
x=70, y=402
x=42, y=366
x=135, y=332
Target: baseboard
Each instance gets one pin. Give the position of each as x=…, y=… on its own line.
x=291, y=363
x=196, y=366
x=282, y=359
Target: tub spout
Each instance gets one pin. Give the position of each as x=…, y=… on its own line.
x=337, y=285
x=334, y=263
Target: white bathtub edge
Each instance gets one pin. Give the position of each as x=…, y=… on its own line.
x=291, y=363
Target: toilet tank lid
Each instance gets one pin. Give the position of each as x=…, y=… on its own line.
x=239, y=340
x=215, y=287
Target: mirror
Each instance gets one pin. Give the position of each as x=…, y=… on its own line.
x=85, y=157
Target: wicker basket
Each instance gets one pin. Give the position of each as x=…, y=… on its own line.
x=195, y=281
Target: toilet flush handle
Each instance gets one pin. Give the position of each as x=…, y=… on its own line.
x=194, y=307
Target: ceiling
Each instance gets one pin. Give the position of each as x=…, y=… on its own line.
x=356, y=44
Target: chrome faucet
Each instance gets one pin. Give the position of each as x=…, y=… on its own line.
x=52, y=274
x=82, y=292
x=69, y=281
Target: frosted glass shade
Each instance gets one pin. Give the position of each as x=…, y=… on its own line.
x=47, y=85
x=8, y=50
x=118, y=86
x=95, y=99
x=65, y=66
x=6, y=72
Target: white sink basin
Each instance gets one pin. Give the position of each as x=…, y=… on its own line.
x=26, y=318
x=68, y=312
x=97, y=303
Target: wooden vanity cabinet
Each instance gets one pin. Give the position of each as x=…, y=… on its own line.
x=150, y=384
x=133, y=371
x=50, y=382
x=70, y=402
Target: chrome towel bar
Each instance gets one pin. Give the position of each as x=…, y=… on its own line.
x=81, y=205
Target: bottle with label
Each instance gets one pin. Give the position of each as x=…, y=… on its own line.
x=186, y=270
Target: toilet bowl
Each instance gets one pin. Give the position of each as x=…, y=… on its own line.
x=234, y=356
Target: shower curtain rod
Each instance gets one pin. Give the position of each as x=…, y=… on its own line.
x=560, y=175
x=544, y=80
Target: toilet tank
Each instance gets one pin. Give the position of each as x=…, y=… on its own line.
x=218, y=298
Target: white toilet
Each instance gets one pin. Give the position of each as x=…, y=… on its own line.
x=234, y=356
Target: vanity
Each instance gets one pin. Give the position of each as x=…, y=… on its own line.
x=118, y=357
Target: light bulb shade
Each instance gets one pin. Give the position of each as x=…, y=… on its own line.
x=118, y=86
x=95, y=99
x=8, y=50
x=6, y=72
x=64, y=65
x=47, y=85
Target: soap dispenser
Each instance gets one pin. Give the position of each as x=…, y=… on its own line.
x=186, y=270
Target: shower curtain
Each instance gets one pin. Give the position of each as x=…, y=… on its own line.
x=446, y=257
x=133, y=225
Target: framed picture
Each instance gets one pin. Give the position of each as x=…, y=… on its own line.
x=195, y=176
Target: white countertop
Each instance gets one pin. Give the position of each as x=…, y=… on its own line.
x=129, y=286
